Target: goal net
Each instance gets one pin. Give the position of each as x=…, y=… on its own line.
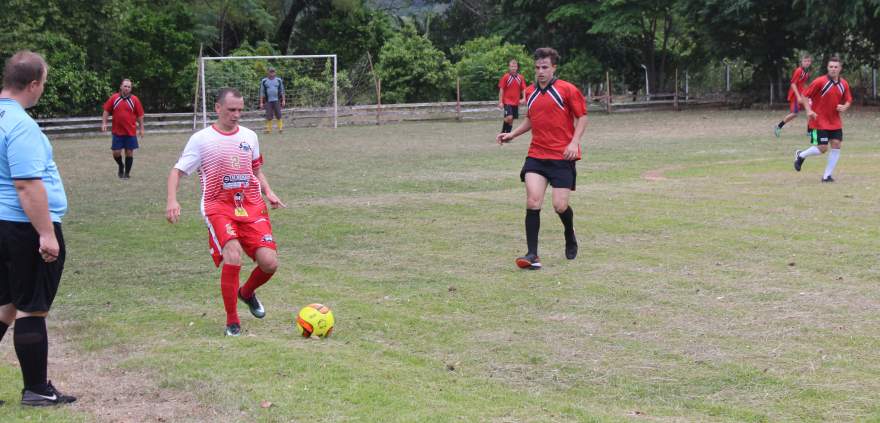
x=310, y=88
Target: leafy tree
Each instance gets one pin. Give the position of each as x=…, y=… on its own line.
x=412, y=69
x=483, y=60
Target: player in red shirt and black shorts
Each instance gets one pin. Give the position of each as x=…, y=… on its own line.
x=799, y=79
x=127, y=112
x=511, y=87
x=824, y=99
x=557, y=116
x=228, y=160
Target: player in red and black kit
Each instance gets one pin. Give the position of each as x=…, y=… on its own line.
x=823, y=100
x=228, y=160
x=511, y=87
x=799, y=79
x=557, y=116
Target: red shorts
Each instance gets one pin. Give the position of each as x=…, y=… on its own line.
x=251, y=235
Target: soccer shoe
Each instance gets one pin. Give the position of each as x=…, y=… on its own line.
x=254, y=305
x=776, y=130
x=233, y=329
x=828, y=179
x=125, y=176
x=120, y=173
x=798, y=160
x=571, y=248
x=529, y=261
x=51, y=397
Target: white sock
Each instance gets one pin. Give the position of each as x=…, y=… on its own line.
x=812, y=151
x=833, y=156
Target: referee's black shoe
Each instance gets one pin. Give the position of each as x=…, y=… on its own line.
x=51, y=396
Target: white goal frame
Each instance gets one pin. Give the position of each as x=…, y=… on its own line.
x=202, y=60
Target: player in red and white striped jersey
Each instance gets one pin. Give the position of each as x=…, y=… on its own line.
x=227, y=157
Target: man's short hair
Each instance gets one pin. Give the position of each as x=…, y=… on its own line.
x=806, y=56
x=225, y=91
x=835, y=58
x=126, y=79
x=23, y=68
x=271, y=69
x=547, y=52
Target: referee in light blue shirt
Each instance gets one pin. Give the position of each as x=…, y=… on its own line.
x=32, y=202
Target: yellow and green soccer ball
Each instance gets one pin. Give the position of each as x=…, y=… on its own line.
x=315, y=319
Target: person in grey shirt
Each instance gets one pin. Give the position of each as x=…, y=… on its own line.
x=272, y=97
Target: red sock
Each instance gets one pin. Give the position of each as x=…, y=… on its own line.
x=229, y=291
x=258, y=277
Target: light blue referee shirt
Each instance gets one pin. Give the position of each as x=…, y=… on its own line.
x=272, y=89
x=25, y=153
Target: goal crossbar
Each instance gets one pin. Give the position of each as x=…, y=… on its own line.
x=203, y=59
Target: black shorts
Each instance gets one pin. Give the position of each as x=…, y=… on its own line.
x=560, y=173
x=822, y=136
x=511, y=111
x=26, y=281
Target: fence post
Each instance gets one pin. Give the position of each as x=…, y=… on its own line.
x=675, y=94
x=771, y=93
x=727, y=76
x=458, y=98
x=608, y=91
x=875, y=81
x=687, y=78
x=378, y=101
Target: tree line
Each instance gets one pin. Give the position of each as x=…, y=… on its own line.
x=420, y=47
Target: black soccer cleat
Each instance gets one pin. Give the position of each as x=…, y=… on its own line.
x=529, y=261
x=254, y=305
x=798, y=160
x=50, y=397
x=829, y=179
x=233, y=329
x=571, y=248
x=120, y=173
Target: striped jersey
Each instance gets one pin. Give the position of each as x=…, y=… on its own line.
x=552, y=112
x=826, y=95
x=125, y=112
x=512, y=86
x=226, y=163
x=799, y=78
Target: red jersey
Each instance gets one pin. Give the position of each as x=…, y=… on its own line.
x=226, y=163
x=826, y=95
x=125, y=112
x=799, y=78
x=552, y=112
x=512, y=87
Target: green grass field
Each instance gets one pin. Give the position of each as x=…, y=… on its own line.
x=714, y=283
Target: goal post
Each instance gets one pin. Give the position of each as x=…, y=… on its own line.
x=310, y=82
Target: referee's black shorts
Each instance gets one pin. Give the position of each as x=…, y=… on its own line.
x=560, y=173
x=26, y=281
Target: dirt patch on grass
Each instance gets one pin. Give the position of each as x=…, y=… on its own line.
x=109, y=393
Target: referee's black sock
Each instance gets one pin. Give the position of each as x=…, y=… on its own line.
x=567, y=218
x=119, y=162
x=32, y=349
x=3, y=327
x=781, y=123
x=129, y=160
x=533, y=225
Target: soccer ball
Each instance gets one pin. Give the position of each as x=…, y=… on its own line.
x=315, y=319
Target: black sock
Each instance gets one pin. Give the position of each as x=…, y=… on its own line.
x=781, y=123
x=506, y=127
x=128, y=162
x=119, y=162
x=567, y=218
x=533, y=225
x=32, y=349
x=3, y=327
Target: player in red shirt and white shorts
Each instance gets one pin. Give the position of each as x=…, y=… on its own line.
x=511, y=87
x=557, y=117
x=798, y=83
x=824, y=99
x=227, y=157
